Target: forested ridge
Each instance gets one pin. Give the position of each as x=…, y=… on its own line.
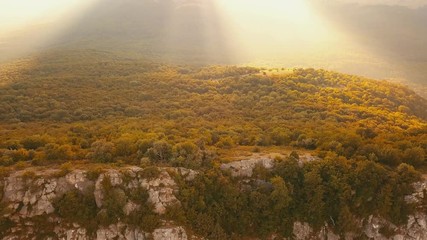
x=95, y=107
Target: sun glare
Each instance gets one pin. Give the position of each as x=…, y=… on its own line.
x=269, y=27
x=17, y=15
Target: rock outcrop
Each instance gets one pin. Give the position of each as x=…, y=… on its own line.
x=28, y=195
x=245, y=168
x=160, y=189
x=372, y=227
x=375, y=228
x=170, y=233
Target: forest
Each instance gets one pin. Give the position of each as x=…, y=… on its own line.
x=98, y=108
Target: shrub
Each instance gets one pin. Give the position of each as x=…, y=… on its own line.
x=150, y=172
x=34, y=142
x=113, y=202
x=125, y=146
x=225, y=142
x=16, y=155
x=76, y=207
x=54, y=151
x=102, y=151
x=414, y=156
x=94, y=172
x=150, y=222
x=187, y=154
x=160, y=152
x=143, y=145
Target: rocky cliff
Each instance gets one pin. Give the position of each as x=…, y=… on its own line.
x=28, y=196
x=29, y=211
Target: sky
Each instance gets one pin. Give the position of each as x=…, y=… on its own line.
x=16, y=14
x=408, y=3
x=290, y=33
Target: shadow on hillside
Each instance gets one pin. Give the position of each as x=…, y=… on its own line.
x=170, y=31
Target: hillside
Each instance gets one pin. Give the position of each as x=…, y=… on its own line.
x=366, y=142
x=88, y=97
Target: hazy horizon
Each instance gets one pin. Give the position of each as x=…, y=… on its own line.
x=380, y=39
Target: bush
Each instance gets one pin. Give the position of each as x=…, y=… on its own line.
x=280, y=137
x=187, y=154
x=143, y=145
x=94, y=172
x=54, y=151
x=150, y=222
x=34, y=142
x=150, y=172
x=125, y=147
x=225, y=142
x=160, y=152
x=113, y=202
x=102, y=151
x=414, y=156
x=16, y=155
x=76, y=207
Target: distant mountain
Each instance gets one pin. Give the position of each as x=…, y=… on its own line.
x=170, y=30
x=396, y=33
x=406, y=3
x=386, y=42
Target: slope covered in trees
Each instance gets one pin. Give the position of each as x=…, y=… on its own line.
x=95, y=107
x=93, y=104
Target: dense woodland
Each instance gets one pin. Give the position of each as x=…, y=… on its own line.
x=94, y=107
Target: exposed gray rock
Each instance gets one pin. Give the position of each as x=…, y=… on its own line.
x=244, y=168
x=160, y=190
x=71, y=234
x=130, y=207
x=302, y=231
x=418, y=194
x=188, y=174
x=78, y=180
x=170, y=233
x=115, y=179
x=33, y=195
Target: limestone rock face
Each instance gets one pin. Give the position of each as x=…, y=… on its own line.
x=244, y=168
x=189, y=174
x=30, y=198
x=30, y=195
x=160, y=190
x=72, y=234
x=26, y=197
x=416, y=228
x=302, y=231
x=120, y=231
x=78, y=179
x=170, y=233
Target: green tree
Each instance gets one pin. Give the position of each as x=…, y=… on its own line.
x=414, y=156
x=187, y=154
x=160, y=152
x=102, y=151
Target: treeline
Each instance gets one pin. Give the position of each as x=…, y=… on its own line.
x=199, y=147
